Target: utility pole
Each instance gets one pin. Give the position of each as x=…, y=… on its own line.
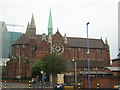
x=96, y=75
x=75, y=67
x=51, y=78
x=88, y=52
x=19, y=65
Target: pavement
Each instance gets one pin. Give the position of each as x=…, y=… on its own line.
x=22, y=86
x=14, y=85
x=27, y=86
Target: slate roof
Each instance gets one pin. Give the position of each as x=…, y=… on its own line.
x=93, y=63
x=81, y=42
x=84, y=64
x=72, y=42
x=24, y=39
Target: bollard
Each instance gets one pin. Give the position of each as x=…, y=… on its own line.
x=78, y=85
x=115, y=87
x=98, y=86
x=5, y=84
x=30, y=84
x=40, y=84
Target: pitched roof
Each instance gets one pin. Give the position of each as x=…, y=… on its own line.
x=93, y=63
x=38, y=38
x=84, y=64
x=72, y=41
x=81, y=42
x=24, y=39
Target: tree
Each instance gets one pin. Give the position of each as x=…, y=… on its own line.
x=53, y=63
x=37, y=67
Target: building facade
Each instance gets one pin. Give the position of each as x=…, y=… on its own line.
x=7, y=39
x=4, y=40
x=31, y=46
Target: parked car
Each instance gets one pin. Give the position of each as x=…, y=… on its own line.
x=58, y=87
x=117, y=87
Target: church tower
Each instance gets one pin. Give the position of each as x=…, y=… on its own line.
x=50, y=26
x=27, y=29
x=31, y=28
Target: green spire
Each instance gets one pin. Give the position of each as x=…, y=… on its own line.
x=50, y=26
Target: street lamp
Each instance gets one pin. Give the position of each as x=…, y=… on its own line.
x=19, y=67
x=75, y=67
x=41, y=79
x=41, y=75
x=96, y=75
x=88, y=52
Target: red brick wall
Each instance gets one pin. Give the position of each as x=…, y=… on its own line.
x=104, y=81
x=39, y=55
x=116, y=73
x=43, y=48
x=116, y=63
x=13, y=72
x=106, y=70
x=106, y=56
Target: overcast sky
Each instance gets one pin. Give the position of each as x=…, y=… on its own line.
x=70, y=16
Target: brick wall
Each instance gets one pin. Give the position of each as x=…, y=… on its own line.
x=104, y=81
x=116, y=63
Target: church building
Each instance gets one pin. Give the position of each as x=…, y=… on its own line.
x=31, y=46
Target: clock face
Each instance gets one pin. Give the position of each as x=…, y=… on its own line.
x=58, y=48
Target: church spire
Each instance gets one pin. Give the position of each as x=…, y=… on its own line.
x=32, y=24
x=27, y=30
x=31, y=28
x=50, y=26
x=106, y=43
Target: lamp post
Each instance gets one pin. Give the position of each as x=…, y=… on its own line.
x=88, y=52
x=41, y=75
x=96, y=75
x=19, y=66
x=75, y=67
x=41, y=79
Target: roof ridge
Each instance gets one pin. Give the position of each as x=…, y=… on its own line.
x=84, y=38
